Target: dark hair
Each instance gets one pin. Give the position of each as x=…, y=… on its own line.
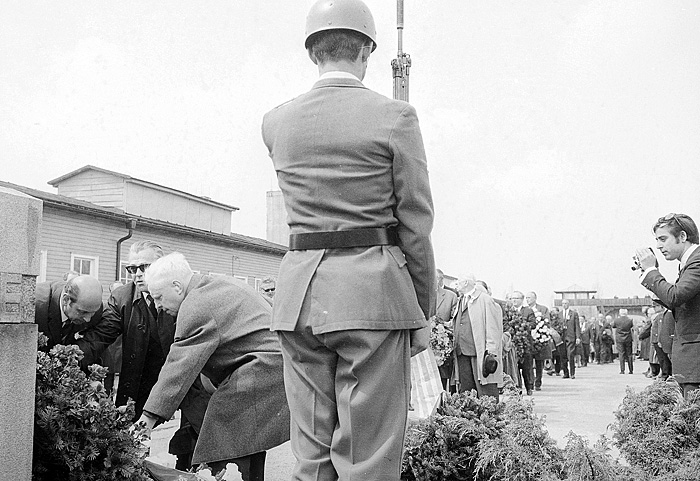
x=337, y=44
x=677, y=223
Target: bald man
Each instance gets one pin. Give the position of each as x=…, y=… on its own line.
x=65, y=309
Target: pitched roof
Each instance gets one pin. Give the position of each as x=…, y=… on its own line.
x=75, y=205
x=152, y=185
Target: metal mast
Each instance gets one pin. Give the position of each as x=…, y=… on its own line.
x=402, y=63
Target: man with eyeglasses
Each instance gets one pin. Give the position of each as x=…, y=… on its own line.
x=146, y=338
x=677, y=239
x=267, y=288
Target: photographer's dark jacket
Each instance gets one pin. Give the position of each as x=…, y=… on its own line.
x=683, y=299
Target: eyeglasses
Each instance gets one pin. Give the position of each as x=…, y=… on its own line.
x=271, y=289
x=671, y=217
x=133, y=269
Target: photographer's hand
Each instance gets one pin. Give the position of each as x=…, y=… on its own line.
x=647, y=259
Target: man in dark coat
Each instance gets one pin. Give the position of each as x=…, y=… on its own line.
x=446, y=306
x=222, y=331
x=65, y=310
x=545, y=352
x=664, y=348
x=525, y=362
x=677, y=239
x=572, y=335
x=623, y=339
x=146, y=338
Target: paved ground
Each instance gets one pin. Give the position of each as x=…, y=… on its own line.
x=584, y=405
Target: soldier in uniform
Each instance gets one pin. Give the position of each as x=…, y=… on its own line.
x=357, y=286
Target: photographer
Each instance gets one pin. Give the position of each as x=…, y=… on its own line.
x=677, y=239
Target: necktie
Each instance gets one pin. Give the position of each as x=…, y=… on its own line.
x=152, y=306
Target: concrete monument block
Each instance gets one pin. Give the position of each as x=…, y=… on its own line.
x=20, y=223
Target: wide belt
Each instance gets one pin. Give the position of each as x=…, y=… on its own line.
x=343, y=239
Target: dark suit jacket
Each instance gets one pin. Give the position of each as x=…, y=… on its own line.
x=572, y=327
x=623, y=329
x=667, y=328
x=223, y=331
x=48, y=316
x=683, y=299
x=586, y=333
x=127, y=314
x=446, y=305
x=346, y=158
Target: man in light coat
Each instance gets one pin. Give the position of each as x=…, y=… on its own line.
x=223, y=332
x=478, y=336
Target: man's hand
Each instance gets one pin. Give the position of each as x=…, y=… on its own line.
x=420, y=340
x=646, y=258
x=149, y=420
x=578, y=342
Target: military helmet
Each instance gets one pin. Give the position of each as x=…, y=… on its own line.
x=340, y=14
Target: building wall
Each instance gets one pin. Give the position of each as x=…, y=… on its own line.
x=148, y=202
x=96, y=187
x=65, y=233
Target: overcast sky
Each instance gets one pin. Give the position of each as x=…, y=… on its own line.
x=556, y=132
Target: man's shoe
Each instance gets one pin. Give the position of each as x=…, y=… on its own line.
x=550, y=373
x=537, y=388
x=622, y=372
x=630, y=372
x=573, y=377
x=529, y=392
x=565, y=377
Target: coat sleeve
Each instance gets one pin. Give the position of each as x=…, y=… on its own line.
x=100, y=336
x=414, y=206
x=494, y=328
x=674, y=295
x=196, y=339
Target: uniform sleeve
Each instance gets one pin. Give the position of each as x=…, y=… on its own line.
x=674, y=295
x=196, y=339
x=414, y=206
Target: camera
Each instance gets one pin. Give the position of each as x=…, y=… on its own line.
x=636, y=265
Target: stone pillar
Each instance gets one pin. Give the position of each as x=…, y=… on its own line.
x=20, y=222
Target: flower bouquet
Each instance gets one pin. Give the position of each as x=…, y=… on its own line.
x=540, y=334
x=440, y=341
x=519, y=329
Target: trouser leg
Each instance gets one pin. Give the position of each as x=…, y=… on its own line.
x=251, y=467
x=539, y=366
x=525, y=365
x=571, y=353
x=630, y=359
x=348, y=394
x=563, y=358
x=664, y=362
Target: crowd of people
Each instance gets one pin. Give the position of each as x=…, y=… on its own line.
x=535, y=339
x=321, y=356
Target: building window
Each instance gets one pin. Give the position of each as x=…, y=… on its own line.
x=85, y=265
x=124, y=276
x=43, y=256
x=241, y=278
